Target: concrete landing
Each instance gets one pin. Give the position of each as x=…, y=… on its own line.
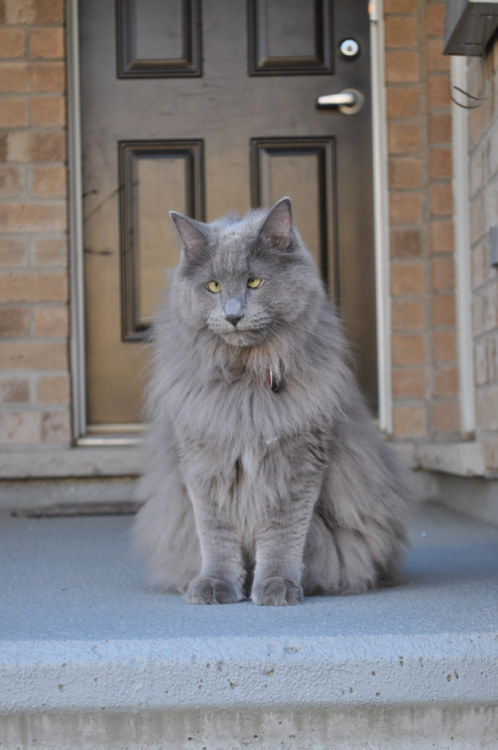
x=90, y=658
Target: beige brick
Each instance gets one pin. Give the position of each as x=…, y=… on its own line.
x=446, y=416
x=441, y=236
x=410, y=383
x=56, y=427
x=47, y=42
x=33, y=286
x=51, y=321
x=443, y=311
x=48, y=111
x=403, y=101
x=407, y=278
x=49, y=11
x=440, y=128
x=35, y=146
x=407, y=315
x=480, y=363
x=402, y=67
x=20, y=427
x=406, y=243
x=478, y=224
x=49, y=77
x=401, y=32
x=479, y=259
x=33, y=11
x=50, y=251
x=10, y=182
x=444, y=346
x=15, y=78
x=49, y=182
x=12, y=42
x=53, y=390
x=18, y=11
x=442, y=273
x=441, y=199
x=404, y=137
x=33, y=217
x=490, y=310
x=434, y=19
x=439, y=90
x=14, y=322
x=33, y=355
x=436, y=61
x=408, y=349
x=12, y=253
x=405, y=208
x=13, y=111
x=490, y=448
x=400, y=6
x=446, y=381
x=14, y=391
x=405, y=172
x=410, y=421
x=440, y=163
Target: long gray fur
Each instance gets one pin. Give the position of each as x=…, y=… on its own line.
x=248, y=491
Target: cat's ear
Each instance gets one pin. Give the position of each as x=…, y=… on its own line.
x=193, y=234
x=277, y=227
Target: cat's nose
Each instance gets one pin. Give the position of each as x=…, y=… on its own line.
x=233, y=310
x=234, y=319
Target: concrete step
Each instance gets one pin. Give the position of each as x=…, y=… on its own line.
x=90, y=658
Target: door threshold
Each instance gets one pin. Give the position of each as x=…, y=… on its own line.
x=107, y=435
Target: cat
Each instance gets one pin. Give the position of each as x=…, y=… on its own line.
x=266, y=476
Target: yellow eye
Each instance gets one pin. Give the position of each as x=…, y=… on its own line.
x=214, y=287
x=254, y=283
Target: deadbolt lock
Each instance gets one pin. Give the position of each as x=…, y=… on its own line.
x=349, y=48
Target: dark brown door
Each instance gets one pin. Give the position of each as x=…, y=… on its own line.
x=203, y=107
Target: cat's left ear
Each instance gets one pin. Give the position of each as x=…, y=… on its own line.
x=193, y=234
x=277, y=227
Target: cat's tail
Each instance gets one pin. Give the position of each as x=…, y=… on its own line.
x=357, y=537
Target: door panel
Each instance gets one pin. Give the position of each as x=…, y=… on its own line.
x=165, y=127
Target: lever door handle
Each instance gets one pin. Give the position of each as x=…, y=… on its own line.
x=347, y=101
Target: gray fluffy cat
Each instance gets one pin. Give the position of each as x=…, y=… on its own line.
x=267, y=478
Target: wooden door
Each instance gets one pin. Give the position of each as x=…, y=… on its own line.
x=203, y=107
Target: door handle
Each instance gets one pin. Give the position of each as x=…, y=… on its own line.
x=347, y=101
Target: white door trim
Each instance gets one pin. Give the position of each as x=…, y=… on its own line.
x=76, y=272
x=381, y=216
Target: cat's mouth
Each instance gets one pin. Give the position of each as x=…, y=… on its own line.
x=243, y=336
x=247, y=332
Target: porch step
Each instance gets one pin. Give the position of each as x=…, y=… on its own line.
x=89, y=658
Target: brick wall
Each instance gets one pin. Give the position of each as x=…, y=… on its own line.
x=424, y=354
x=34, y=380
x=483, y=136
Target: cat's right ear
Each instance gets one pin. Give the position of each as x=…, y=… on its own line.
x=193, y=234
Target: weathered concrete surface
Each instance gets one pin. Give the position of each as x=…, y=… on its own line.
x=90, y=658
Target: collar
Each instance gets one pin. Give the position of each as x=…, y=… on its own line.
x=274, y=383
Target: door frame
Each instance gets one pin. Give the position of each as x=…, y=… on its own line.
x=75, y=212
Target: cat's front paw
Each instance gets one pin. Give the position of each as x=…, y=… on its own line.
x=277, y=591
x=209, y=590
